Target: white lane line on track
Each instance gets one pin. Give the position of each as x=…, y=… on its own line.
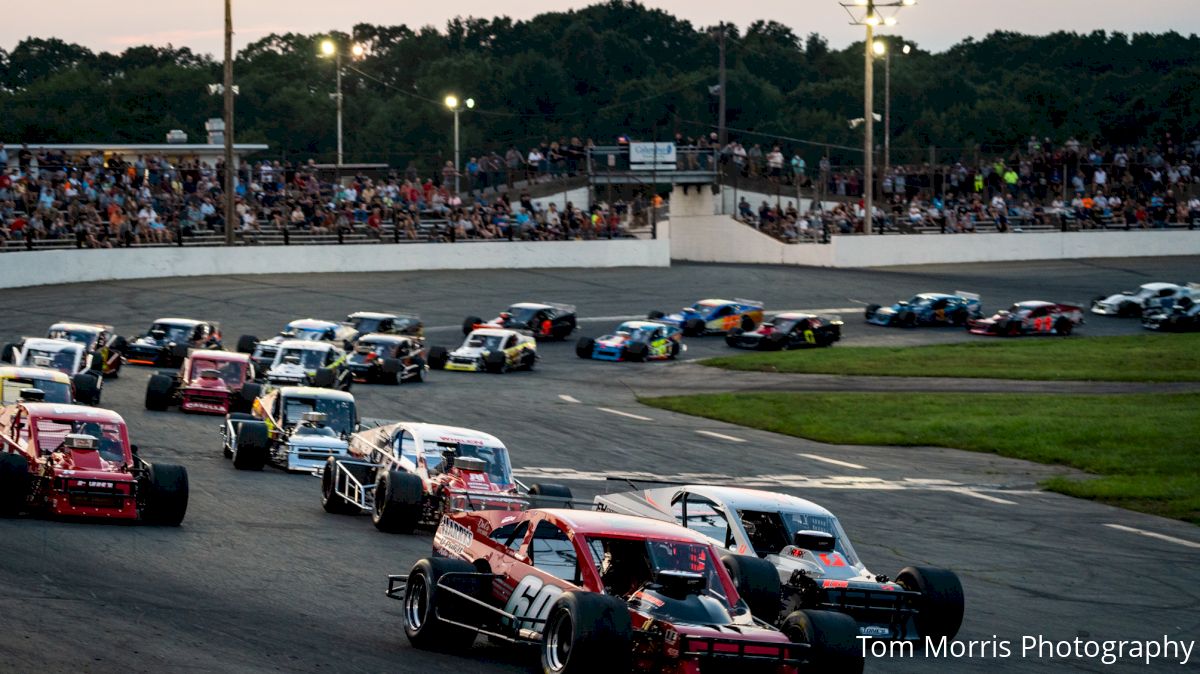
x=567, y=398
x=624, y=414
x=980, y=495
x=843, y=464
x=720, y=436
x=1151, y=534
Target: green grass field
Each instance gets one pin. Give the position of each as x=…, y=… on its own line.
x=1144, y=358
x=1144, y=449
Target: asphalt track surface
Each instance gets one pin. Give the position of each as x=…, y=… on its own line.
x=259, y=578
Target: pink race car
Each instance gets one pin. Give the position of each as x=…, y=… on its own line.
x=1030, y=318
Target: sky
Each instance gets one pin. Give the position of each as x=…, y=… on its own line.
x=932, y=24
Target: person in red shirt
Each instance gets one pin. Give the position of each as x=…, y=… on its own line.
x=374, y=222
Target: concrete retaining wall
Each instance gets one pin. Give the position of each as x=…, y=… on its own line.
x=20, y=269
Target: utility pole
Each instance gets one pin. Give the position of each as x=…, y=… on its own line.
x=721, y=133
x=230, y=211
x=869, y=122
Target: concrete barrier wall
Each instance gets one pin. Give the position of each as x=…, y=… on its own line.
x=720, y=239
x=20, y=269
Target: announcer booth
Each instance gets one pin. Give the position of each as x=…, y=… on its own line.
x=174, y=153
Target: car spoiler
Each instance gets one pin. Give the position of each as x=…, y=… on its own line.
x=1193, y=286
x=966, y=295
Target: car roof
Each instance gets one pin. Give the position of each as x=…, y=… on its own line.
x=641, y=325
x=303, y=323
x=934, y=296
x=25, y=372
x=739, y=498
x=531, y=305
x=306, y=345
x=793, y=316
x=47, y=344
x=494, y=332
x=65, y=411
x=315, y=392
x=598, y=523
x=213, y=354
x=714, y=302
x=462, y=435
x=69, y=325
x=1158, y=285
x=371, y=314
x=1034, y=304
x=190, y=322
x=381, y=338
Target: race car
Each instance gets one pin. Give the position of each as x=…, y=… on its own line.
x=55, y=386
x=296, y=428
x=95, y=338
x=601, y=592
x=492, y=350
x=305, y=363
x=1030, y=318
x=65, y=460
x=812, y=555
x=362, y=323
x=69, y=358
x=1184, y=316
x=708, y=317
x=636, y=341
x=1148, y=297
x=928, y=309
x=307, y=329
x=167, y=341
x=788, y=331
x=388, y=359
x=543, y=320
x=208, y=382
x=408, y=475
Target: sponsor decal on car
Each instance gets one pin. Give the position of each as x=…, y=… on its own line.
x=452, y=538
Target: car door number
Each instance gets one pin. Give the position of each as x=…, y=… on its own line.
x=1043, y=323
x=532, y=599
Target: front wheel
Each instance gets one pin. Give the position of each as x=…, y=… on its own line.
x=832, y=639
x=398, y=501
x=587, y=633
x=942, y=603
x=167, y=502
x=1063, y=327
x=425, y=605
x=331, y=500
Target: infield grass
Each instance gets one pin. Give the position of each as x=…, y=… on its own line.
x=1145, y=358
x=1144, y=449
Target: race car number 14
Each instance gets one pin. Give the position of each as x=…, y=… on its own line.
x=532, y=599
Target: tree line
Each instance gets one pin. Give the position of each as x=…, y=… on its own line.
x=611, y=69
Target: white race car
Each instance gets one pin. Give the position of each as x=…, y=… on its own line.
x=306, y=329
x=812, y=556
x=71, y=358
x=1148, y=297
x=296, y=428
x=488, y=350
x=301, y=362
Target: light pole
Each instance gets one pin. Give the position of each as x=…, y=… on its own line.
x=866, y=13
x=452, y=103
x=227, y=90
x=887, y=101
x=330, y=48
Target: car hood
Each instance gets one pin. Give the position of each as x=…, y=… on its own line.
x=287, y=370
x=322, y=441
x=614, y=341
x=469, y=352
x=147, y=340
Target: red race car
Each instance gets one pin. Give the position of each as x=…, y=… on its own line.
x=208, y=382
x=1030, y=318
x=75, y=461
x=601, y=592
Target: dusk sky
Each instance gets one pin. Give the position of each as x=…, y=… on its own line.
x=933, y=24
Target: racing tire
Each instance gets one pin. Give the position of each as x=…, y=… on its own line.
x=1129, y=309
x=399, y=497
x=158, y=392
x=390, y=371
x=1010, y=328
x=10, y=353
x=244, y=400
x=959, y=317
x=655, y=315
x=178, y=354
x=118, y=344
x=554, y=495
x=167, y=500
x=747, y=324
x=424, y=602
x=584, y=347
x=438, y=357
x=235, y=417
x=693, y=327
x=776, y=341
x=333, y=502
x=1063, y=327
x=637, y=352
x=757, y=581
x=907, y=319
x=495, y=362
x=732, y=335
x=832, y=638
x=469, y=324
x=15, y=484
x=251, y=445
x=673, y=350
x=246, y=343
x=529, y=360
x=870, y=312
x=87, y=388
x=587, y=633
x=324, y=377
x=942, y=604
x=418, y=376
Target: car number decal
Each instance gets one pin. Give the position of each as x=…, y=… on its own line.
x=532, y=599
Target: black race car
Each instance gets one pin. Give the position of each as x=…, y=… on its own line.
x=1183, y=317
x=388, y=359
x=788, y=331
x=167, y=341
x=544, y=320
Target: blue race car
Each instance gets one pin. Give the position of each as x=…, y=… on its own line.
x=928, y=309
x=636, y=341
x=708, y=317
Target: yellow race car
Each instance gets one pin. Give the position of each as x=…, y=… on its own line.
x=493, y=350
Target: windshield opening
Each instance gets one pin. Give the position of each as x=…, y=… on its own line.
x=78, y=336
x=489, y=342
x=771, y=532
x=362, y=324
x=309, y=359
x=63, y=360
x=498, y=470
x=339, y=414
x=51, y=434
x=625, y=565
x=521, y=315
x=231, y=372
x=365, y=352
x=174, y=333
x=310, y=334
x=56, y=392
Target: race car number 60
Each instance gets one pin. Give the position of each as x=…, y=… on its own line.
x=532, y=599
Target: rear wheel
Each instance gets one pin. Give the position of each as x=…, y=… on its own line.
x=15, y=484
x=438, y=357
x=870, y=312
x=246, y=343
x=584, y=347
x=908, y=320
x=495, y=362
x=636, y=352
x=469, y=324
x=942, y=603
x=693, y=327
x=159, y=392
x=251, y=445
x=587, y=633
x=167, y=502
x=747, y=323
x=418, y=373
x=757, y=582
x=731, y=337
x=1063, y=327
x=398, y=501
x=10, y=353
x=832, y=639
x=332, y=501
x=555, y=493
x=87, y=388
x=424, y=602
